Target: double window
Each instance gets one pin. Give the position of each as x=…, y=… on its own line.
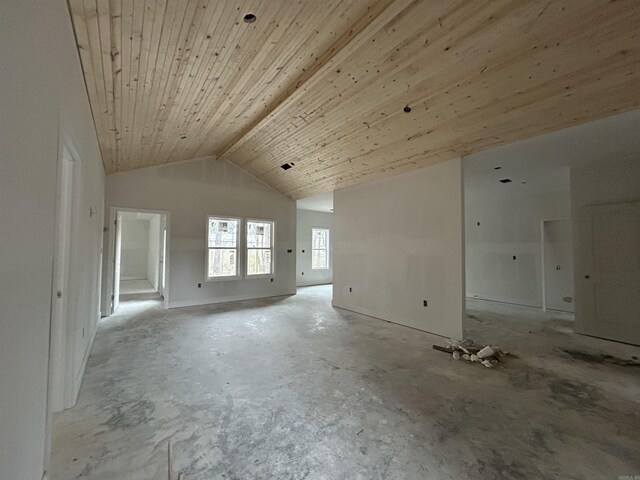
x=223, y=243
x=319, y=248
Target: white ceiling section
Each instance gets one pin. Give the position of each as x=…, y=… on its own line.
x=323, y=85
x=544, y=162
x=323, y=202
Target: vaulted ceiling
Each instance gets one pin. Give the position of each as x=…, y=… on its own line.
x=323, y=84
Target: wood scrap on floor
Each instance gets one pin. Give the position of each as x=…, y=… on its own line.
x=466, y=350
x=170, y=464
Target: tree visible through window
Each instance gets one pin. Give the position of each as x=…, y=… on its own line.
x=319, y=248
x=259, y=247
x=222, y=238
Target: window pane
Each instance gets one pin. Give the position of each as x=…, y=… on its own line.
x=319, y=259
x=258, y=261
x=320, y=237
x=223, y=233
x=319, y=248
x=222, y=262
x=259, y=234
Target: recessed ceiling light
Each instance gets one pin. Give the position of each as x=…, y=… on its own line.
x=497, y=168
x=407, y=109
x=505, y=180
x=249, y=18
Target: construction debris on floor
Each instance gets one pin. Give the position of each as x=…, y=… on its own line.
x=466, y=350
x=601, y=358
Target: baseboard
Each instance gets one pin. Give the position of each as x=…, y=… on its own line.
x=314, y=284
x=508, y=301
x=386, y=317
x=229, y=299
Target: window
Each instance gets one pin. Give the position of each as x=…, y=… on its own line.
x=259, y=247
x=222, y=242
x=319, y=248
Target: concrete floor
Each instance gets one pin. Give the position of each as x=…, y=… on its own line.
x=290, y=388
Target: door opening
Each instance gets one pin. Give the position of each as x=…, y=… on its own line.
x=139, y=256
x=557, y=265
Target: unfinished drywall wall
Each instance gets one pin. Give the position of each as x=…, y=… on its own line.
x=306, y=221
x=134, y=254
x=602, y=183
x=190, y=191
x=43, y=100
x=398, y=242
x=153, y=252
x=503, y=241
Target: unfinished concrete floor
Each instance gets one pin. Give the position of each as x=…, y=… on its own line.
x=290, y=388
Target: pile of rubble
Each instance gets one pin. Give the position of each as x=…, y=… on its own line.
x=466, y=350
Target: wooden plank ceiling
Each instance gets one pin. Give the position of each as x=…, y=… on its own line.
x=323, y=84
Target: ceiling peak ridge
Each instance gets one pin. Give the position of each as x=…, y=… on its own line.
x=362, y=30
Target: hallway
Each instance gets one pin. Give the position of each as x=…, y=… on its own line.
x=136, y=290
x=290, y=387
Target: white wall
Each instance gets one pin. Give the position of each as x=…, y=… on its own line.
x=134, y=250
x=399, y=241
x=190, y=191
x=598, y=184
x=42, y=97
x=510, y=225
x=153, y=250
x=307, y=220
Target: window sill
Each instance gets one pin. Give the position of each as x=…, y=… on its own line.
x=222, y=279
x=260, y=275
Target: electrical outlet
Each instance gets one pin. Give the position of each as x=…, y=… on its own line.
x=350, y=289
x=272, y=280
x=289, y=250
x=302, y=273
x=199, y=285
x=425, y=303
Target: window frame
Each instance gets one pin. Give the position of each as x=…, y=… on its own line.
x=238, y=248
x=272, y=248
x=327, y=249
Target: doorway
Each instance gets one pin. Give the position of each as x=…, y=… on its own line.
x=557, y=265
x=139, y=256
x=609, y=285
x=61, y=382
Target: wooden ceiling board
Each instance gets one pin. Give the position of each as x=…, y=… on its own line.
x=323, y=84
x=169, y=80
x=469, y=89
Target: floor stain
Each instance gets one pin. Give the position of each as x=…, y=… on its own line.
x=575, y=394
x=130, y=414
